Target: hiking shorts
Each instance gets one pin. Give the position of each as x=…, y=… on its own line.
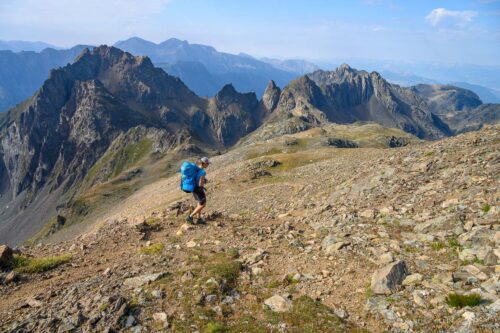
x=199, y=195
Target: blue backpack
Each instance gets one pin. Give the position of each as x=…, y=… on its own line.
x=188, y=171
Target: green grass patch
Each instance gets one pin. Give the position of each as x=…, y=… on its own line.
x=454, y=244
x=233, y=253
x=410, y=249
x=152, y=249
x=103, y=307
x=215, y=327
x=289, y=279
x=475, y=261
x=23, y=264
x=223, y=267
x=292, y=161
x=368, y=291
x=114, y=162
x=131, y=154
x=436, y=246
x=486, y=208
x=247, y=324
x=429, y=153
x=152, y=220
x=308, y=315
x=459, y=301
x=274, y=284
x=104, y=160
x=259, y=153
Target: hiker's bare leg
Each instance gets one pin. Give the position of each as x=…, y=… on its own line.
x=198, y=210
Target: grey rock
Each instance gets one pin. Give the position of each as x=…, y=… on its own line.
x=413, y=279
x=494, y=308
x=211, y=299
x=160, y=316
x=12, y=276
x=158, y=293
x=328, y=241
x=255, y=257
x=385, y=258
x=387, y=279
x=130, y=321
x=278, y=303
x=6, y=256
x=271, y=96
x=490, y=259
x=139, y=281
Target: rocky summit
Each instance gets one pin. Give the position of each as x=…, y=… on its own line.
x=301, y=235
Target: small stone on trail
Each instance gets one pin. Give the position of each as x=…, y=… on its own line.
x=191, y=244
x=413, y=279
x=160, y=316
x=11, y=277
x=6, y=256
x=139, y=281
x=255, y=257
x=385, y=258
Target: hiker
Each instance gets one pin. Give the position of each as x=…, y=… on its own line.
x=199, y=189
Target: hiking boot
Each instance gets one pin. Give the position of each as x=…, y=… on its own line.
x=189, y=219
x=200, y=221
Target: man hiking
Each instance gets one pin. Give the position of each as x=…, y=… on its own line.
x=199, y=190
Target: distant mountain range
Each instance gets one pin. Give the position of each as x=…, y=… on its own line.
x=213, y=69
x=22, y=73
x=20, y=45
x=201, y=67
x=206, y=71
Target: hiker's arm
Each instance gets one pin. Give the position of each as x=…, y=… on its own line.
x=202, y=181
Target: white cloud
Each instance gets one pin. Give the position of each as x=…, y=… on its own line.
x=442, y=16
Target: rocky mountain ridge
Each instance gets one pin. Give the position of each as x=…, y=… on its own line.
x=347, y=95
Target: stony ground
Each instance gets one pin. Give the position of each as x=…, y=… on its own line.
x=299, y=238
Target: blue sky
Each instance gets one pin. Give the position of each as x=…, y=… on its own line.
x=448, y=31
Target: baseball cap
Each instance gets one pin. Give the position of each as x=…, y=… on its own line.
x=205, y=160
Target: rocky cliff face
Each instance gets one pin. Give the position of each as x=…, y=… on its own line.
x=271, y=96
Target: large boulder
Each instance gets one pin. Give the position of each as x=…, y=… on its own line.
x=278, y=303
x=387, y=279
x=6, y=256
